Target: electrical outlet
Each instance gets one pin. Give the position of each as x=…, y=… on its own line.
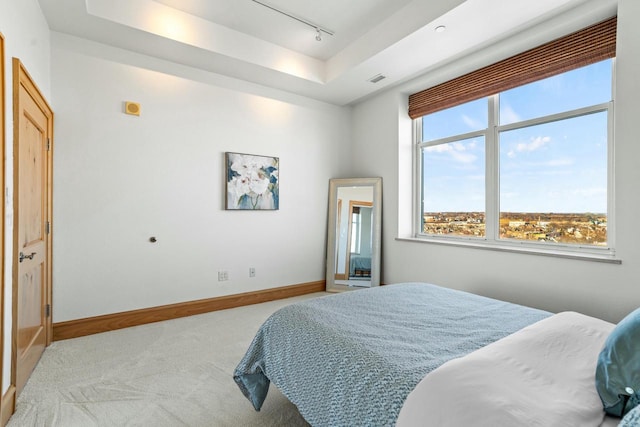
x=223, y=275
x=252, y=272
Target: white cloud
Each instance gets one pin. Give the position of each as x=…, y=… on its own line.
x=459, y=146
x=560, y=162
x=458, y=151
x=442, y=148
x=463, y=157
x=507, y=115
x=590, y=192
x=473, y=123
x=555, y=172
x=509, y=195
x=535, y=144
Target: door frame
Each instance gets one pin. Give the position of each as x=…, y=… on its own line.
x=21, y=78
x=2, y=218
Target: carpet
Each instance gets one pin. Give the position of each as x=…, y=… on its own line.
x=172, y=373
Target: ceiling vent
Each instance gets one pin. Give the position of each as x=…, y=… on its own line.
x=377, y=78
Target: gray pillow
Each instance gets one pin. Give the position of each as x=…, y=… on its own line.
x=618, y=368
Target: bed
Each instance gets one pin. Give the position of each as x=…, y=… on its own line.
x=360, y=266
x=415, y=354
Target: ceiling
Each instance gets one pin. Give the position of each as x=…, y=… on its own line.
x=249, y=40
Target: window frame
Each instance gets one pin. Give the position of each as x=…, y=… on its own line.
x=492, y=239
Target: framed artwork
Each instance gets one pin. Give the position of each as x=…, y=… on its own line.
x=252, y=182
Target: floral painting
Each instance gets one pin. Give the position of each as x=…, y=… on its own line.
x=252, y=182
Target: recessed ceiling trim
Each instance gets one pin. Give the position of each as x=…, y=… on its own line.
x=164, y=21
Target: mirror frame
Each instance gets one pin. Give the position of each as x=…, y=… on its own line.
x=334, y=185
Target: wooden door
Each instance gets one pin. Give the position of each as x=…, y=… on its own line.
x=33, y=126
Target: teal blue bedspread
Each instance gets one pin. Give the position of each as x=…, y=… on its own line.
x=351, y=359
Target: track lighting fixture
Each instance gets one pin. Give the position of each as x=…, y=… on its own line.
x=318, y=28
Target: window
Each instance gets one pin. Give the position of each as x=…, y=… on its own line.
x=528, y=166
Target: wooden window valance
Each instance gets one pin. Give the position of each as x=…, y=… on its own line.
x=584, y=47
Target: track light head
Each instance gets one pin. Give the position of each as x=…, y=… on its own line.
x=318, y=35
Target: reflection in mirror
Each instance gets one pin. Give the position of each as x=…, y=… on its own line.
x=353, y=250
x=353, y=238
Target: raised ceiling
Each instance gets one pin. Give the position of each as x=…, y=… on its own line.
x=349, y=20
x=248, y=40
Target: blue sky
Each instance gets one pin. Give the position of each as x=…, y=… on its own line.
x=554, y=167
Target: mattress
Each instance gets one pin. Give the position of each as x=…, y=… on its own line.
x=353, y=358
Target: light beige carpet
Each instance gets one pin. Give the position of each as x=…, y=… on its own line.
x=173, y=373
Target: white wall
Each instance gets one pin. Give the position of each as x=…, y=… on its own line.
x=382, y=137
x=120, y=179
x=26, y=37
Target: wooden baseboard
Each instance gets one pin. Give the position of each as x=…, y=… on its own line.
x=110, y=322
x=7, y=406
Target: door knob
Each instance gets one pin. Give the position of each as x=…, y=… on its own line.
x=23, y=256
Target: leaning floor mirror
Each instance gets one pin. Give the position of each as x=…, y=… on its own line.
x=353, y=239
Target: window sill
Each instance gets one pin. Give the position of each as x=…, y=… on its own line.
x=608, y=257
